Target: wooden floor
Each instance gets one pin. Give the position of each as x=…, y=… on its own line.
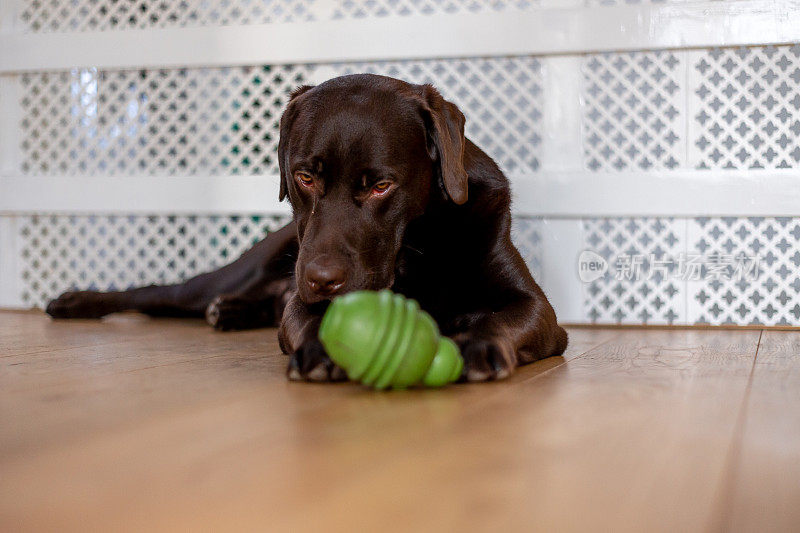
x=138, y=424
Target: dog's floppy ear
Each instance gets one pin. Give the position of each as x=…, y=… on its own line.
x=286, y=124
x=445, y=125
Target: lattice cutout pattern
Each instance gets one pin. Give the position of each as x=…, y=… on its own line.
x=500, y=97
x=622, y=296
x=97, y=15
x=769, y=294
x=225, y=120
x=748, y=108
x=733, y=270
x=61, y=252
x=155, y=122
x=593, y=3
x=633, y=112
x=382, y=8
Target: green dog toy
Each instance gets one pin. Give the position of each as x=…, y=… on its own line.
x=385, y=340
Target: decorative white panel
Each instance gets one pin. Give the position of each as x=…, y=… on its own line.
x=96, y=15
x=751, y=273
x=155, y=122
x=641, y=285
x=64, y=252
x=526, y=233
x=597, y=116
x=633, y=111
x=746, y=108
x=705, y=270
x=500, y=97
x=225, y=120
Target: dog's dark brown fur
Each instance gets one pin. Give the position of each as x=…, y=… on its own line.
x=386, y=192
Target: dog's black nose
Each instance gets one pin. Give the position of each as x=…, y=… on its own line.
x=325, y=278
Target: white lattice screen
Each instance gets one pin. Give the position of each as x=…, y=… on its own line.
x=68, y=15
x=155, y=122
x=746, y=107
x=225, y=120
x=88, y=15
x=743, y=112
x=632, y=117
x=694, y=116
x=115, y=252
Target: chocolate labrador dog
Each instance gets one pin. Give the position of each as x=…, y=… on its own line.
x=386, y=192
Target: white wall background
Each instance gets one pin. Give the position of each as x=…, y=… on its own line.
x=137, y=138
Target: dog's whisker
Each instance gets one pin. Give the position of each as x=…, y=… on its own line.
x=420, y=252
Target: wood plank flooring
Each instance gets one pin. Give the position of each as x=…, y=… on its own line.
x=138, y=424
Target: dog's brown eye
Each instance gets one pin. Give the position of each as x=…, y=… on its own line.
x=381, y=187
x=304, y=179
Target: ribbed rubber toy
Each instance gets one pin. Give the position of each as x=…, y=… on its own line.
x=382, y=339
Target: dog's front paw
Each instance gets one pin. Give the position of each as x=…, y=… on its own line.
x=311, y=363
x=228, y=313
x=79, y=304
x=485, y=358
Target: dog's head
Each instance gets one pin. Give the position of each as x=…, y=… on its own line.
x=360, y=157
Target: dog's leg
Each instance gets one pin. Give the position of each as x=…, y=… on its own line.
x=298, y=337
x=494, y=343
x=256, y=306
x=269, y=260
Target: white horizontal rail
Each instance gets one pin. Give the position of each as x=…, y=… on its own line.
x=660, y=193
x=550, y=194
x=141, y=194
x=509, y=32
